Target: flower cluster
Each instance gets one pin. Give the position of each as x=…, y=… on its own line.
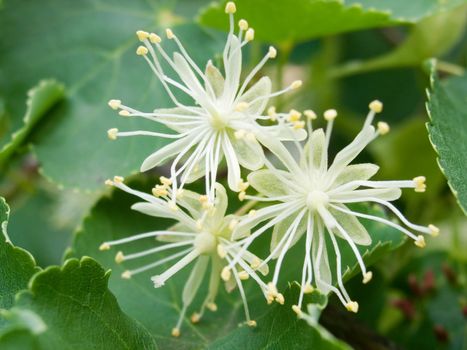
x=304, y=196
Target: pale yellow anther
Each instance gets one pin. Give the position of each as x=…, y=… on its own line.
x=242, y=186
x=352, y=306
x=119, y=179
x=251, y=323
x=112, y=133
x=203, y=199
x=104, y=246
x=243, y=24
x=310, y=114
x=226, y=273
x=126, y=275
x=195, y=318
x=330, y=114
x=119, y=257
x=221, y=251
x=420, y=185
x=308, y=288
x=272, y=53
x=239, y=134
x=212, y=307
x=255, y=263
x=433, y=230
x=230, y=7
x=124, y=113
x=154, y=38
x=376, y=106
x=420, y=241
x=272, y=289
x=109, y=182
x=280, y=298
x=269, y=299
x=250, y=34
x=367, y=277
x=142, y=35
x=160, y=191
x=251, y=213
x=299, y=124
x=241, y=196
x=169, y=33
x=241, y=107
x=115, y=104
x=243, y=275
x=165, y=181
x=297, y=310
x=175, y=332
x=294, y=115
x=272, y=113
x=383, y=128
x=142, y=50
x=296, y=84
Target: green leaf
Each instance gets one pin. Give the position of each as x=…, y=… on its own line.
x=448, y=130
x=279, y=328
x=297, y=20
x=40, y=100
x=70, y=307
x=90, y=47
x=16, y=264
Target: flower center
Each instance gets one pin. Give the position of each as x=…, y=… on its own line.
x=205, y=243
x=314, y=199
x=217, y=121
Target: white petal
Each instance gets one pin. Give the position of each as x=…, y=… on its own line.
x=261, y=88
x=195, y=279
x=249, y=152
x=355, y=172
x=153, y=209
x=221, y=202
x=351, y=225
x=173, y=121
x=233, y=167
x=281, y=228
x=233, y=68
x=387, y=194
x=267, y=183
x=317, y=145
x=215, y=79
x=285, y=133
x=322, y=264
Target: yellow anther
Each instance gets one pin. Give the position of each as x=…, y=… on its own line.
x=299, y=124
x=126, y=275
x=243, y=275
x=230, y=7
x=203, y=199
x=118, y=179
x=251, y=323
x=376, y=106
x=241, y=106
x=296, y=84
x=165, y=181
x=104, y=246
x=420, y=241
x=154, y=38
x=297, y=310
x=221, y=251
x=420, y=185
x=243, y=24
x=250, y=34
x=160, y=191
x=242, y=186
x=175, y=332
x=310, y=114
x=383, y=128
x=252, y=213
x=233, y=224
x=124, y=113
x=433, y=230
x=115, y=104
x=280, y=299
x=272, y=289
x=294, y=115
x=109, y=182
x=239, y=134
x=226, y=273
x=212, y=307
x=330, y=114
x=272, y=113
x=241, y=196
x=142, y=50
x=367, y=277
x=308, y=288
x=272, y=53
x=142, y=35
x=352, y=306
x=195, y=318
x=169, y=33
x=119, y=257
x=112, y=133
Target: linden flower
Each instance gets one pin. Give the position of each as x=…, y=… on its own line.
x=223, y=122
x=202, y=234
x=313, y=198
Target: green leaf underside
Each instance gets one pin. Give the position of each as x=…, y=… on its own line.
x=40, y=100
x=95, y=63
x=276, y=21
x=16, y=264
x=72, y=308
x=448, y=130
x=111, y=219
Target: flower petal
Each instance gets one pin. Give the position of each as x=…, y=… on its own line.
x=194, y=280
x=267, y=182
x=387, y=194
x=215, y=79
x=316, y=148
x=285, y=133
x=351, y=225
x=281, y=228
x=323, y=264
x=233, y=167
x=355, y=172
x=261, y=88
x=233, y=68
x=249, y=152
x=153, y=209
x=176, y=117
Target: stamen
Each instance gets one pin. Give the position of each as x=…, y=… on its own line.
x=142, y=51
x=420, y=185
x=352, y=306
x=243, y=24
x=230, y=8
x=420, y=241
x=383, y=128
x=142, y=35
x=115, y=104
x=112, y=133
x=433, y=230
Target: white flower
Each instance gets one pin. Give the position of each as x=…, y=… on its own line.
x=223, y=122
x=313, y=198
x=201, y=235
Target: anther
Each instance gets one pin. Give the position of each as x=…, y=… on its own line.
x=104, y=246
x=272, y=113
x=376, y=106
x=420, y=185
x=280, y=298
x=250, y=34
x=109, y=182
x=154, y=38
x=119, y=257
x=296, y=84
x=169, y=33
x=142, y=50
x=433, y=230
x=367, y=277
x=165, y=181
x=251, y=213
x=251, y=323
x=242, y=186
x=272, y=53
x=297, y=310
x=243, y=24
x=308, y=288
x=383, y=128
x=115, y=104
x=142, y=35
x=352, y=306
x=112, y=133
x=299, y=124
x=126, y=275
x=212, y=307
x=159, y=191
x=330, y=114
x=175, y=332
x=255, y=263
x=226, y=274
x=310, y=114
x=420, y=241
x=118, y=179
x=195, y=318
x=294, y=115
x=221, y=251
x=241, y=107
x=124, y=113
x=230, y=8
x=241, y=196
x=243, y=275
